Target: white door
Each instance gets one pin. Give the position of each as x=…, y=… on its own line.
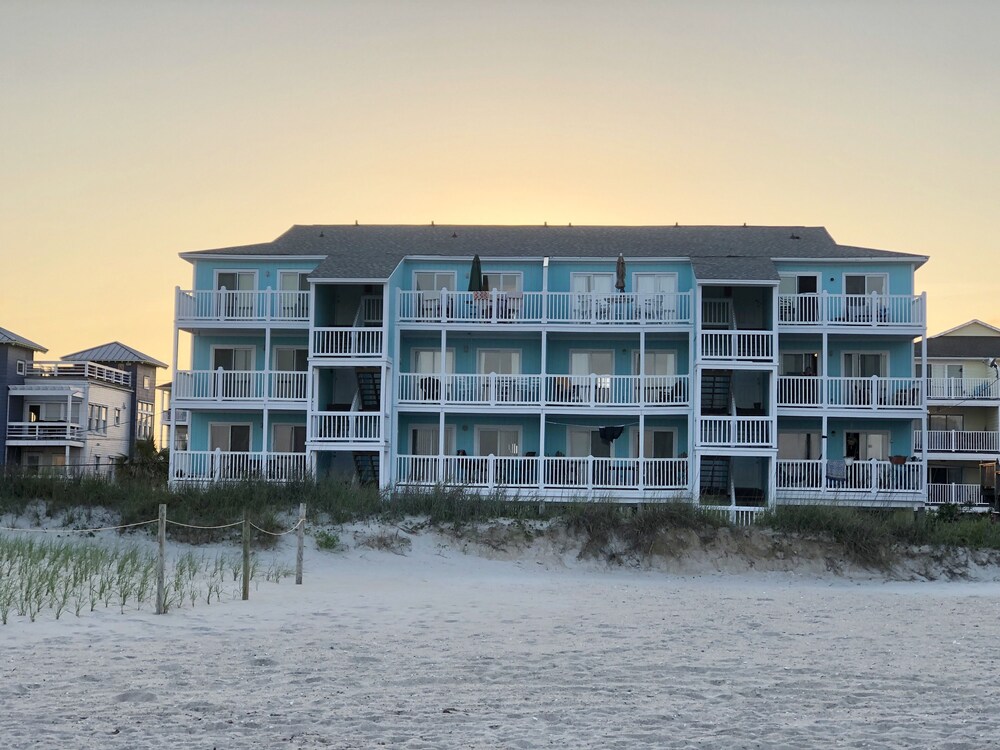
x=657, y=294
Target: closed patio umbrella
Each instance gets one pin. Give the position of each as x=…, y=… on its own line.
x=476, y=275
x=620, y=273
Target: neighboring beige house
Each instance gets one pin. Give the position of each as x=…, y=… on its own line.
x=963, y=405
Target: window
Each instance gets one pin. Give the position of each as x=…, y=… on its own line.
x=237, y=301
x=500, y=361
x=293, y=300
x=585, y=441
x=118, y=417
x=424, y=440
x=656, y=443
x=864, y=364
x=233, y=281
x=229, y=437
x=865, y=446
x=146, y=382
x=947, y=422
x=592, y=294
x=291, y=359
x=797, y=300
x=428, y=361
x=97, y=418
x=508, y=281
x=233, y=358
x=289, y=438
x=801, y=446
x=658, y=362
x=599, y=362
x=865, y=283
x=434, y=281
x=498, y=441
x=799, y=363
x=52, y=411
x=658, y=294
x=22, y=367
x=144, y=420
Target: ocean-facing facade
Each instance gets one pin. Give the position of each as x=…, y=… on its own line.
x=733, y=366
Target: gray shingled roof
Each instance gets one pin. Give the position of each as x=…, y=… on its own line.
x=975, y=347
x=113, y=352
x=734, y=268
x=12, y=339
x=372, y=252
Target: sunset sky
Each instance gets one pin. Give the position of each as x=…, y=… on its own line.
x=133, y=131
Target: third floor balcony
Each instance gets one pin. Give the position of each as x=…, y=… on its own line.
x=870, y=394
x=238, y=308
x=243, y=387
x=855, y=311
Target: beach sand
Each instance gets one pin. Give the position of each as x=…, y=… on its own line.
x=439, y=648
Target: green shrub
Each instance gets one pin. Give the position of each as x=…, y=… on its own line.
x=327, y=540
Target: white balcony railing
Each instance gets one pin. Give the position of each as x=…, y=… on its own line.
x=240, y=385
x=736, y=432
x=228, y=306
x=554, y=390
x=534, y=308
x=756, y=346
x=963, y=389
x=843, y=476
x=45, y=431
x=855, y=310
x=345, y=427
x=347, y=343
x=955, y=494
x=231, y=466
x=958, y=441
x=803, y=391
x=544, y=472
x=76, y=370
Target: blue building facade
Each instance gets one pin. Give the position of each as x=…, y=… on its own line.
x=732, y=366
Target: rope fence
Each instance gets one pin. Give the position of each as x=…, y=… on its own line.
x=161, y=537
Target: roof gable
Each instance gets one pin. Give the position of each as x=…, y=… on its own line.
x=10, y=338
x=974, y=327
x=113, y=352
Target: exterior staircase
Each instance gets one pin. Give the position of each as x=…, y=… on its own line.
x=715, y=472
x=366, y=466
x=716, y=392
x=369, y=388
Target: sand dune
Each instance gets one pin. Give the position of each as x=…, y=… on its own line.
x=442, y=649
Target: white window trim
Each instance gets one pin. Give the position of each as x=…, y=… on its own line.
x=520, y=280
x=843, y=362
x=413, y=279
x=449, y=351
x=884, y=433
x=571, y=352
x=292, y=272
x=492, y=350
x=21, y=368
x=286, y=347
x=881, y=275
x=251, y=347
x=799, y=274
x=672, y=358
x=634, y=439
x=579, y=274
x=276, y=425
x=218, y=271
x=819, y=358
x=480, y=427
x=818, y=448
x=231, y=425
x=449, y=431
x=658, y=275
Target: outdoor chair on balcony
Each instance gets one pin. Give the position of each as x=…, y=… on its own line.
x=430, y=389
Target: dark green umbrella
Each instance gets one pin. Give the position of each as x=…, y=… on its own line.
x=476, y=275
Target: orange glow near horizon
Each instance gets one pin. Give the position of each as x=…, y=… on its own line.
x=134, y=132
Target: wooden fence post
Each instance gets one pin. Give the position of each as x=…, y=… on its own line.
x=161, y=561
x=246, y=557
x=301, y=537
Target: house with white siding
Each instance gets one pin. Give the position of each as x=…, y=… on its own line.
x=737, y=367
x=962, y=373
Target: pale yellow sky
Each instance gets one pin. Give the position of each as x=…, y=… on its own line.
x=130, y=132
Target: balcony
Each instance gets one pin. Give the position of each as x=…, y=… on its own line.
x=536, y=308
x=78, y=371
x=348, y=343
x=345, y=428
x=963, y=389
x=239, y=308
x=855, y=394
x=952, y=442
x=546, y=473
x=736, y=432
x=737, y=346
x=48, y=433
x=856, y=311
x=956, y=494
x=805, y=479
x=221, y=386
x=576, y=391
x=227, y=466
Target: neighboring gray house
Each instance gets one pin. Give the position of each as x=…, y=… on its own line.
x=16, y=356
x=142, y=368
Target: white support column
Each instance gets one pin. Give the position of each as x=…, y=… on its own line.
x=923, y=411
x=441, y=391
x=824, y=440
x=694, y=416
x=171, y=437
